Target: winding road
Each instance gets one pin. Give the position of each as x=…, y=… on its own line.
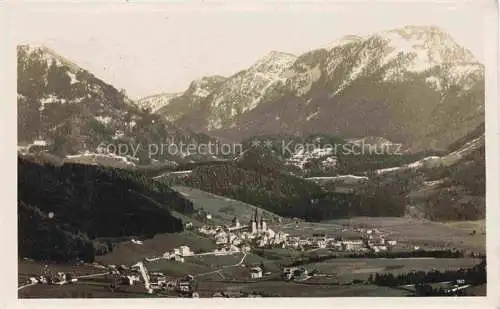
x=79, y=277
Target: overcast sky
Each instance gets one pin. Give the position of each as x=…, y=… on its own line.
x=149, y=51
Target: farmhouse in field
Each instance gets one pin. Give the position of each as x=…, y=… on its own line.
x=256, y=272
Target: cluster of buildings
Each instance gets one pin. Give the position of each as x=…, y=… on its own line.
x=375, y=240
x=36, y=146
x=367, y=241
x=304, y=156
x=295, y=273
x=240, y=237
x=321, y=241
x=178, y=254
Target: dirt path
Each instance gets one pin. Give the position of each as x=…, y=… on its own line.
x=224, y=267
x=79, y=277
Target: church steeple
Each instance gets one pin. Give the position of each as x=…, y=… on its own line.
x=263, y=224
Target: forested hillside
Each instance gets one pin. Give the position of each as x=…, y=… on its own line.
x=86, y=202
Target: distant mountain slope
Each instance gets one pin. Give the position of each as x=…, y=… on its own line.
x=176, y=107
x=63, y=210
x=76, y=112
x=443, y=187
x=281, y=193
x=156, y=102
x=319, y=155
x=413, y=85
x=455, y=186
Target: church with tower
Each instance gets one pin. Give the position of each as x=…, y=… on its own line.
x=258, y=226
x=256, y=231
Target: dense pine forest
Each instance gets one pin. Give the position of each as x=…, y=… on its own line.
x=60, y=204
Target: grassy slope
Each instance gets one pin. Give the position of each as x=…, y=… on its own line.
x=128, y=253
x=223, y=209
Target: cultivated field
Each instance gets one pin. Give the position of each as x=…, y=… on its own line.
x=128, y=253
x=431, y=235
x=350, y=269
x=91, y=288
x=295, y=289
x=27, y=268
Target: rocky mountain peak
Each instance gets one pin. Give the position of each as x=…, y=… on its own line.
x=274, y=62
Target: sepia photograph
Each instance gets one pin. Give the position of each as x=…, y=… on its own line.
x=209, y=150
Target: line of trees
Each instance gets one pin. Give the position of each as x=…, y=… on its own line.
x=411, y=254
x=474, y=276
x=287, y=195
x=428, y=290
x=315, y=258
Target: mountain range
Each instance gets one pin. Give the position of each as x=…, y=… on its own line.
x=77, y=113
x=413, y=85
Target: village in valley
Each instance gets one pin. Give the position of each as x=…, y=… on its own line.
x=260, y=252
x=322, y=158
x=241, y=238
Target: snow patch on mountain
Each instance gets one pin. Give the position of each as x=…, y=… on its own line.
x=428, y=162
x=51, y=99
x=50, y=56
x=368, y=56
x=444, y=161
x=305, y=78
x=72, y=76
x=155, y=102
x=311, y=116
x=273, y=63
x=342, y=41
x=343, y=178
x=464, y=151
x=303, y=157
x=104, y=120
x=106, y=159
x=202, y=87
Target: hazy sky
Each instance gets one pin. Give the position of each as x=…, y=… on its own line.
x=149, y=51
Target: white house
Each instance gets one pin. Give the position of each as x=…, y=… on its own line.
x=245, y=248
x=137, y=242
x=321, y=244
x=185, y=251
x=256, y=272
x=131, y=279
x=352, y=244
x=40, y=143
x=179, y=258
